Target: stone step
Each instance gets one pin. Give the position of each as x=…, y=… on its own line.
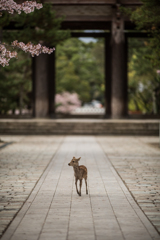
x=80, y=126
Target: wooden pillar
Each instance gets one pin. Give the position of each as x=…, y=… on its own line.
x=126, y=77
x=43, y=86
x=51, y=82
x=108, y=76
x=119, y=70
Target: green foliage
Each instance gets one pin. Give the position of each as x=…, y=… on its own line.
x=144, y=83
x=15, y=80
x=4, y=19
x=147, y=18
x=148, y=15
x=80, y=69
x=15, y=84
x=39, y=26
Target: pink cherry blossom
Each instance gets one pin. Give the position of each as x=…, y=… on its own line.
x=31, y=48
x=11, y=6
x=67, y=102
x=28, y=7
x=6, y=55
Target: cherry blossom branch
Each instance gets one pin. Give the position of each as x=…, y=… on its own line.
x=11, y=6
x=28, y=7
x=31, y=48
x=34, y=50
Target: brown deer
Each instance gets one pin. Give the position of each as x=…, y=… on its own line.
x=80, y=172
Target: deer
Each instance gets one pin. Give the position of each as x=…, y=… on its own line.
x=80, y=172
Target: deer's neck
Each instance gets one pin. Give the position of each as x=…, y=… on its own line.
x=76, y=169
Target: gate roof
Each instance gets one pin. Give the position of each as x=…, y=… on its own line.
x=89, y=14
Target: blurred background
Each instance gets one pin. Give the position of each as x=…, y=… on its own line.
x=79, y=69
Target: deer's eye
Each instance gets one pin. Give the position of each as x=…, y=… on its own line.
x=73, y=161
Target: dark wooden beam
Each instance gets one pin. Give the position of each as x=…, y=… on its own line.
x=95, y=23
x=80, y=2
x=92, y=25
x=90, y=2
x=73, y=25
x=86, y=18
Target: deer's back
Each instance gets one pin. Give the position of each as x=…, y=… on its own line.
x=83, y=170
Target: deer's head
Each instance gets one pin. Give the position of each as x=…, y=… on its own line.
x=74, y=162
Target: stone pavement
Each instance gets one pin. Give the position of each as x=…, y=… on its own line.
x=54, y=210
x=137, y=161
x=21, y=165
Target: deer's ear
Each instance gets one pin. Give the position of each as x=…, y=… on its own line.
x=78, y=158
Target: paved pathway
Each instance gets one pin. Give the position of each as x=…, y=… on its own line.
x=137, y=161
x=54, y=210
x=21, y=165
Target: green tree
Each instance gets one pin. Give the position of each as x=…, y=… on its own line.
x=147, y=18
x=144, y=84
x=40, y=26
x=16, y=85
x=142, y=72
x=80, y=69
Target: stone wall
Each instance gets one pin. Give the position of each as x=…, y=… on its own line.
x=80, y=126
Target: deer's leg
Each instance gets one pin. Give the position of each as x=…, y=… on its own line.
x=86, y=185
x=80, y=185
x=76, y=179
